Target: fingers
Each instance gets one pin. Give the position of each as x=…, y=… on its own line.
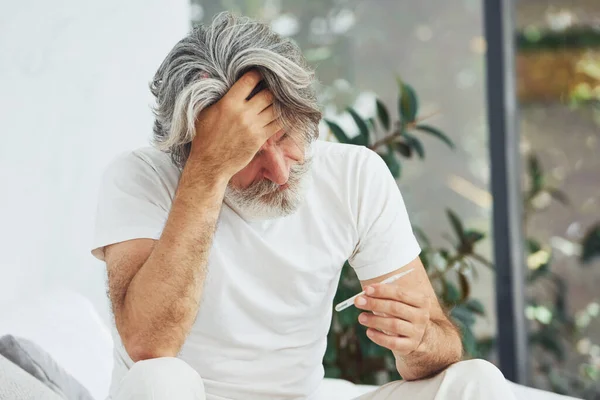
x=256, y=103
x=243, y=87
x=261, y=101
x=395, y=292
x=399, y=344
x=272, y=129
x=272, y=125
x=267, y=116
x=393, y=325
x=392, y=307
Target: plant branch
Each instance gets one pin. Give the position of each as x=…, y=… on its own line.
x=390, y=138
x=386, y=140
x=449, y=263
x=482, y=260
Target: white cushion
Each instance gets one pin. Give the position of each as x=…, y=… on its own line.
x=16, y=383
x=66, y=325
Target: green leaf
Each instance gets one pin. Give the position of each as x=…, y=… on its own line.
x=591, y=371
x=560, y=303
x=371, y=123
x=408, y=103
x=367, y=346
x=382, y=114
x=450, y=295
x=330, y=354
x=392, y=163
x=349, y=316
x=425, y=259
x=456, y=224
x=445, y=254
x=343, y=292
x=558, y=195
x=533, y=246
x=465, y=285
x=347, y=270
x=415, y=143
x=333, y=372
x=421, y=237
x=485, y=346
x=559, y=383
x=539, y=272
x=535, y=173
x=476, y=306
x=372, y=349
x=403, y=148
x=338, y=132
x=437, y=133
x=549, y=340
x=468, y=340
x=363, y=138
x=591, y=244
x=347, y=286
x=463, y=315
x=473, y=236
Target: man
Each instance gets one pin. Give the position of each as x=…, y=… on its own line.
x=224, y=242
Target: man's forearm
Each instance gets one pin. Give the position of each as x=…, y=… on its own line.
x=163, y=298
x=441, y=346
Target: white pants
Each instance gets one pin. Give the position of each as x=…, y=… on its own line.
x=172, y=378
x=466, y=380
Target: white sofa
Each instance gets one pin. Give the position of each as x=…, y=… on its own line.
x=68, y=327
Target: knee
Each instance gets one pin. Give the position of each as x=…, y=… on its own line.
x=477, y=371
x=164, y=378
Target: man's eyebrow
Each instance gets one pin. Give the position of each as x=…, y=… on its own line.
x=284, y=136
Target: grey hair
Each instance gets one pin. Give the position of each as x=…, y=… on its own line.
x=202, y=67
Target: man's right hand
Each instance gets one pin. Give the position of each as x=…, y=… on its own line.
x=230, y=132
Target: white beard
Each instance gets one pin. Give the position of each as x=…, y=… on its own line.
x=265, y=200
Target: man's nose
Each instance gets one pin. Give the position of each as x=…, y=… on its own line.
x=274, y=165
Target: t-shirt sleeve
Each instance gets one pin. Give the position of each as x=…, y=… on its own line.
x=385, y=237
x=133, y=203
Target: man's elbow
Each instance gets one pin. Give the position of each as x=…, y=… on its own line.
x=140, y=349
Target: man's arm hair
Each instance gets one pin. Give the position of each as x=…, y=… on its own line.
x=441, y=346
x=155, y=287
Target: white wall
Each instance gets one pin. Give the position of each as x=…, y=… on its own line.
x=73, y=93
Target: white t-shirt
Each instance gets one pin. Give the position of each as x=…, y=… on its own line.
x=262, y=325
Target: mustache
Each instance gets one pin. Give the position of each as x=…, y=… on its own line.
x=265, y=186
